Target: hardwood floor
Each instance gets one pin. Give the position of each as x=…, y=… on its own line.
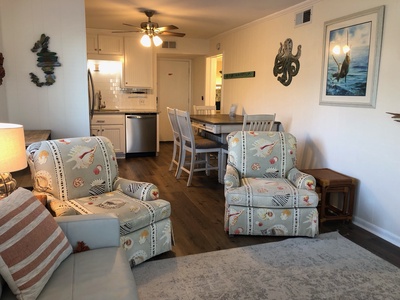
x=198, y=211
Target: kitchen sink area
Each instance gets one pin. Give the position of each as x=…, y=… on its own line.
x=127, y=116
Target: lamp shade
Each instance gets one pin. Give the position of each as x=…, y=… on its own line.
x=12, y=148
x=157, y=40
x=145, y=40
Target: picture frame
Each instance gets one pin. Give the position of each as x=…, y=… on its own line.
x=351, y=57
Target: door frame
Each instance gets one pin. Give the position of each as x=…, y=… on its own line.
x=211, y=70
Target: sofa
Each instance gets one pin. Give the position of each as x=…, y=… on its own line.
x=80, y=176
x=265, y=192
x=100, y=272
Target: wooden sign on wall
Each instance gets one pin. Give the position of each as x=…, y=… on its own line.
x=240, y=75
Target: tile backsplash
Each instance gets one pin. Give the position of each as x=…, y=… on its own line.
x=107, y=79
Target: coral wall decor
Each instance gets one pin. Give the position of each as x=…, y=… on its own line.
x=47, y=60
x=287, y=65
x=2, y=71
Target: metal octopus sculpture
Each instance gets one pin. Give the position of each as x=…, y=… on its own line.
x=286, y=63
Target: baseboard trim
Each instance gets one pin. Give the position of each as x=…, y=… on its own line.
x=382, y=233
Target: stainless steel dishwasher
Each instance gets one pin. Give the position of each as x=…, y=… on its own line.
x=141, y=133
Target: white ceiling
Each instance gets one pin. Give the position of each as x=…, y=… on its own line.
x=201, y=19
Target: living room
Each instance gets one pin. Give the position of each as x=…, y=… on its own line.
x=357, y=141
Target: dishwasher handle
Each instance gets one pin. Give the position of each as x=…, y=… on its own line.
x=139, y=116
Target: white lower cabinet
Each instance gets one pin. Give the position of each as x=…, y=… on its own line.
x=112, y=126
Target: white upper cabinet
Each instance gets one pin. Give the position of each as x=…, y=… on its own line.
x=104, y=44
x=138, y=64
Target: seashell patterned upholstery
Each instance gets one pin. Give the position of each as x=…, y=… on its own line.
x=264, y=191
x=83, y=173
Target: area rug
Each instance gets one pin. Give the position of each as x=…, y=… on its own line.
x=327, y=267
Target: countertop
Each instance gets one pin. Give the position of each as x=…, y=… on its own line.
x=126, y=111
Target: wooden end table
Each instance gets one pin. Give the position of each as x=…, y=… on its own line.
x=329, y=181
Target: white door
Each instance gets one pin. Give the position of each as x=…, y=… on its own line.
x=173, y=91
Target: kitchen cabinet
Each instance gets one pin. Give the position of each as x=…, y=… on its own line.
x=112, y=126
x=138, y=64
x=104, y=44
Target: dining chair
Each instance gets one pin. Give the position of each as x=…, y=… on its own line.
x=204, y=109
x=258, y=122
x=177, y=148
x=196, y=147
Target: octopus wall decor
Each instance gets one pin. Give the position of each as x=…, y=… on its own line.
x=47, y=60
x=2, y=71
x=287, y=65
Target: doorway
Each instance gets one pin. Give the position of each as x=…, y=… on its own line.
x=214, y=73
x=173, y=77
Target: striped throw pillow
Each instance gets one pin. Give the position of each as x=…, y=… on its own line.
x=32, y=245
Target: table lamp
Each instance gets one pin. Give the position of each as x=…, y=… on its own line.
x=12, y=155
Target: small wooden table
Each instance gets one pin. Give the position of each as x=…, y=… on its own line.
x=329, y=181
x=32, y=136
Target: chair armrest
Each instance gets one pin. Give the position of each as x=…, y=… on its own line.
x=140, y=190
x=96, y=230
x=301, y=180
x=231, y=178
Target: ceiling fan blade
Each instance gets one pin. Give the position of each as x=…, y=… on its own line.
x=178, y=34
x=129, y=25
x=168, y=27
x=125, y=31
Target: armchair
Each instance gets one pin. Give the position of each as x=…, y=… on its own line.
x=265, y=193
x=80, y=176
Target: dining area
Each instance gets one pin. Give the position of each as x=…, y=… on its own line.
x=200, y=139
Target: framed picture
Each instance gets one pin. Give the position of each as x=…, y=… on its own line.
x=350, y=66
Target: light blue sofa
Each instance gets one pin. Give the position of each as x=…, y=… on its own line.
x=103, y=272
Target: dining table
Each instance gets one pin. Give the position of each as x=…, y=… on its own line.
x=218, y=126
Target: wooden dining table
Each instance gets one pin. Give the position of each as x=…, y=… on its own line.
x=218, y=126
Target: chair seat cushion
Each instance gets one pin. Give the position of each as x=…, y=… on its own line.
x=133, y=214
x=270, y=193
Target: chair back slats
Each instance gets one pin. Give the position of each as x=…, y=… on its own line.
x=185, y=126
x=204, y=110
x=258, y=122
x=174, y=123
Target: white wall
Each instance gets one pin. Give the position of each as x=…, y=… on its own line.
x=62, y=107
x=360, y=142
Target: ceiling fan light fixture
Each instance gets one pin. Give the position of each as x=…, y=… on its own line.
x=157, y=41
x=145, y=40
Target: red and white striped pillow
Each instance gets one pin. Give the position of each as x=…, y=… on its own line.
x=32, y=245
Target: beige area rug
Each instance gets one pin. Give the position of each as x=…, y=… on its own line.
x=327, y=267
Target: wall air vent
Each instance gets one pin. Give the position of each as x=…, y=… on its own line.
x=168, y=44
x=303, y=17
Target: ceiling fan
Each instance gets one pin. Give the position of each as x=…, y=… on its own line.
x=151, y=30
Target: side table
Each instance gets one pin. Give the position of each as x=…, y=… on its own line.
x=329, y=181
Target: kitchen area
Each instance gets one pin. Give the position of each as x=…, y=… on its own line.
x=122, y=99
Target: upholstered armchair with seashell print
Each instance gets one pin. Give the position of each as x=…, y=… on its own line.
x=265, y=193
x=80, y=176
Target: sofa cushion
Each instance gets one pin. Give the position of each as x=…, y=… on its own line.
x=32, y=245
x=133, y=214
x=96, y=274
x=270, y=193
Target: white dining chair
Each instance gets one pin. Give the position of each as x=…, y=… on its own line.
x=196, y=147
x=177, y=139
x=204, y=109
x=258, y=122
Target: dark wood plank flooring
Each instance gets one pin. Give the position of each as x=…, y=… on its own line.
x=198, y=211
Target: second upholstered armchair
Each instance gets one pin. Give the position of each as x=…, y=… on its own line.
x=265, y=193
